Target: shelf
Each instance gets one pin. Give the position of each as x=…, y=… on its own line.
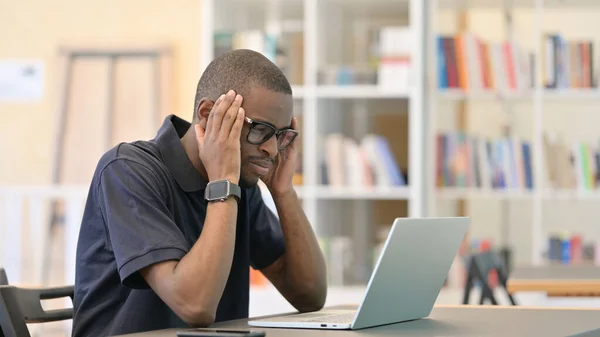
x=548, y=94
x=355, y=193
x=300, y=191
x=486, y=95
x=258, y=2
x=298, y=91
x=357, y=8
x=499, y=4
x=358, y=91
x=371, y=2
x=286, y=9
x=474, y=193
x=576, y=94
x=572, y=194
x=346, y=92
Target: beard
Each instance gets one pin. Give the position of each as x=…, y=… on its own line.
x=247, y=180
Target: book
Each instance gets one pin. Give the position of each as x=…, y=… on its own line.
x=472, y=161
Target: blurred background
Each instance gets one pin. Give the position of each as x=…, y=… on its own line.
x=407, y=108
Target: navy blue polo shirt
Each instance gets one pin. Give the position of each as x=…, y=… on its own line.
x=146, y=205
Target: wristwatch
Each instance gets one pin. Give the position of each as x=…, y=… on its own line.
x=221, y=190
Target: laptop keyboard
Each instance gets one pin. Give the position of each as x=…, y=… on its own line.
x=342, y=318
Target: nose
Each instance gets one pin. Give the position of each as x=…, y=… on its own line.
x=270, y=147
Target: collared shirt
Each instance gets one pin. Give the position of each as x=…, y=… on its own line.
x=146, y=205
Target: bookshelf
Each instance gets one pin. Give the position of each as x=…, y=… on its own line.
x=352, y=65
x=548, y=100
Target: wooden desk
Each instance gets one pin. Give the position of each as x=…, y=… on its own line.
x=467, y=320
x=557, y=280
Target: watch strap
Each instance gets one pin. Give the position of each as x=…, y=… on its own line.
x=235, y=190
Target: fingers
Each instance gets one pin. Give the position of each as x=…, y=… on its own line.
x=236, y=130
x=199, y=135
x=230, y=117
x=220, y=111
x=295, y=127
x=211, y=115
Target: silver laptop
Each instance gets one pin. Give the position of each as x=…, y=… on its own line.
x=405, y=283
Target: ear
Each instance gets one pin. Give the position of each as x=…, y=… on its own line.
x=204, y=109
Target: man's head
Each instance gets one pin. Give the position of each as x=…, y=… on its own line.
x=267, y=100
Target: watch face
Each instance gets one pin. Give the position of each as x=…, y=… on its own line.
x=217, y=190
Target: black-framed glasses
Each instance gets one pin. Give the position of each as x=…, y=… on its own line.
x=260, y=132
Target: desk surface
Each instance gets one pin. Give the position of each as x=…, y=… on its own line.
x=449, y=321
x=558, y=280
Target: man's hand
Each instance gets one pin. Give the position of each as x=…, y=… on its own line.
x=279, y=180
x=192, y=287
x=219, y=144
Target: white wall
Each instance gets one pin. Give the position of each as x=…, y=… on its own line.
x=29, y=31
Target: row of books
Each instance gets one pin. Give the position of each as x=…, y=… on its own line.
x=574, y=165
x=567, y=63
x=368, y=162
x=467, y=62
x=571, y=248
x=471, y=161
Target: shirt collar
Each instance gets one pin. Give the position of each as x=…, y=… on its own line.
x=168, y=140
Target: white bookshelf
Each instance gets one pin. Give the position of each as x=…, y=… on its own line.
x=533, y=107
x=358, y=92
x=549, y=95
x=516, y=194
x=325, y=107
x=479, y=193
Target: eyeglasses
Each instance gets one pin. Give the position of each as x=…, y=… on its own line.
x=260, y=132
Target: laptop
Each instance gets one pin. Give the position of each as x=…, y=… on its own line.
x=405, y=283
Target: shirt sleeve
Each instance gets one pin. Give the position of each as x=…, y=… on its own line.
x=266, y=236
x=141, y=228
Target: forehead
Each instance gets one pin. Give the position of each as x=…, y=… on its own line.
x=269, y=106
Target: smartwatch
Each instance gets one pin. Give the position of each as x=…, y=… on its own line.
x=221, y=190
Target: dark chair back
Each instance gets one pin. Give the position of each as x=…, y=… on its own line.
x=3, y=277
x=480, y=267
x=22, y=306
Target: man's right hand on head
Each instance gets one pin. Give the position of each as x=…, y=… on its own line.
x=219, y=144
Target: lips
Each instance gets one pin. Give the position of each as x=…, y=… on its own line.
x=260, y=168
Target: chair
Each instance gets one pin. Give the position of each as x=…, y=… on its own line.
x=22, y=306
x=480, y=267
x=3, y=277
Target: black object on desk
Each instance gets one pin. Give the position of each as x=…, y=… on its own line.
x=220, y=333
x=480, y=266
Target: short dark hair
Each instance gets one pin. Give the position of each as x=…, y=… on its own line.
x=239, y=69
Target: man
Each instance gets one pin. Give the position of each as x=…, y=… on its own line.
x=156, y=251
